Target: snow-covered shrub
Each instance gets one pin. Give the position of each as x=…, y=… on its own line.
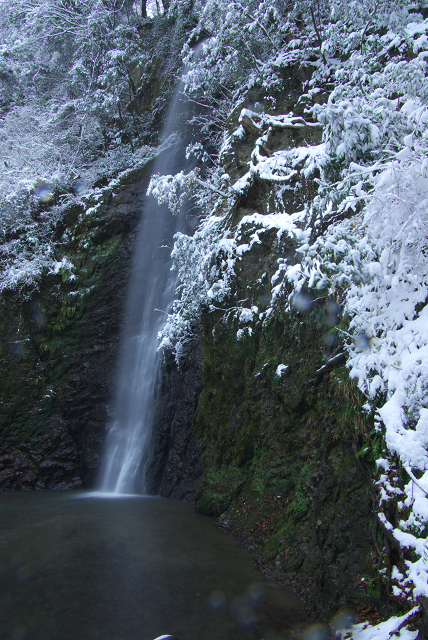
x=374, y=257
x=364, y=237
x=205, y=264
x=70, y=113
x=206, y=261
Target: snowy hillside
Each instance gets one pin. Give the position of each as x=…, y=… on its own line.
x=350, y=197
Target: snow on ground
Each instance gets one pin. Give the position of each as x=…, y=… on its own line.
x=395, y=627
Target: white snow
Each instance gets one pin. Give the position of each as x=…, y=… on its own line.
x=384, y=630
x=280, y=369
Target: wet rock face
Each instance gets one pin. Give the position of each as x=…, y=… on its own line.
x=175, y=470
x=278, y=454
x=52, y=464
x=58, y=354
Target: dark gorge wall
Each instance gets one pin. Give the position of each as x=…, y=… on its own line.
x=59, y=349
x=280, y=454
x=175, y=469
x=276, y=458
x=279, y=463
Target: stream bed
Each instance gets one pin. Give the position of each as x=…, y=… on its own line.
x=79, y=566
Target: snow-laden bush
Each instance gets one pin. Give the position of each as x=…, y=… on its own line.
x=206, y=261
x=205, y=264
x=70, y=74
x=377, y=262
x=368, y=244
x=240, y=38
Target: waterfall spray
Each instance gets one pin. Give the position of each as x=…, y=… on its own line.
x=151, y=291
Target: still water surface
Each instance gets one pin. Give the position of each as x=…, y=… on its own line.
x=78, y=567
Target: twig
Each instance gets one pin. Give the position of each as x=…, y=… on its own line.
x=409, y=471
x=318, y=35
x=367, y=26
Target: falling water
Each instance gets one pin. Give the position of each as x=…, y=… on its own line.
x=151, y=293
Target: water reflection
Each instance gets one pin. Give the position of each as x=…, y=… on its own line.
x=125, y=569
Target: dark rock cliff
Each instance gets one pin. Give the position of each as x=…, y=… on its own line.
x=279, y=463
x=59, y=353
x=175, y=469
x=279, y=452
x=274, y=457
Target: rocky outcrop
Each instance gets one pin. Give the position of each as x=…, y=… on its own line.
x=175, y=470
x=280, y=426
x=59, y=351
x=52, y=464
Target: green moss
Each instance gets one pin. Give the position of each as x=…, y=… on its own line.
x=227, y=479
x=213, y=503
x=285, y=537
x=344, y=388
x=38, y=339
x=267, y=440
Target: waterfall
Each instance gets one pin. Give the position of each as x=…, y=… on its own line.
x=151, y=292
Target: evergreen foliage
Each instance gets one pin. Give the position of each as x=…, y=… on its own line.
x=83, y=87
x=72, y=74
x=362, y=238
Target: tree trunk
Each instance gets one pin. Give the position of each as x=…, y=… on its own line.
x=143, y=9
